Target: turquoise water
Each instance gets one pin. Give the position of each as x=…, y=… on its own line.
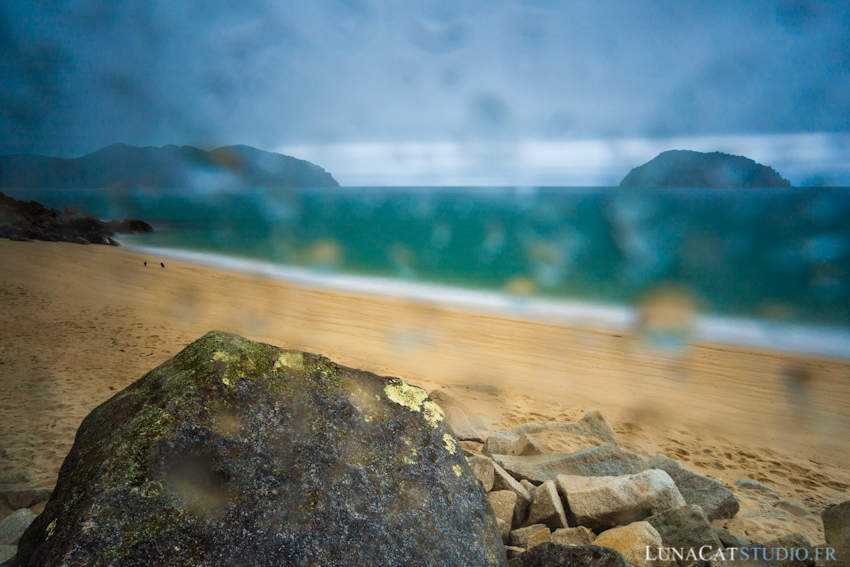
x=778, y=254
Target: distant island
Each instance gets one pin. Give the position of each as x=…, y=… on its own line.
x=121, y=166
x=715, y=170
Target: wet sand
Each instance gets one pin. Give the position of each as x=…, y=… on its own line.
x=78, y=323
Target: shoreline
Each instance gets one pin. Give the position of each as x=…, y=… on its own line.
x=709, y=329
x=82, y=322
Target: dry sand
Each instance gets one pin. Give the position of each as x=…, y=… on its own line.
x=78, y=323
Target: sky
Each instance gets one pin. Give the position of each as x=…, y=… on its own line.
x=437, y=92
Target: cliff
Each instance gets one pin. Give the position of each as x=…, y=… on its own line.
x=120, y=166
x=688, y=169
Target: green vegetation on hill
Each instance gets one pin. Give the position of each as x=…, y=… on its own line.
x=120, y=166
x=688, y=169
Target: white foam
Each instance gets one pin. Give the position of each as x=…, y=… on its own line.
x=733, y=331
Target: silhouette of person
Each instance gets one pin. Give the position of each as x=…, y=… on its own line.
x=146, y=264
x=161, y=264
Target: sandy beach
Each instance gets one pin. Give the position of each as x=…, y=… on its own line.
x=78, y=323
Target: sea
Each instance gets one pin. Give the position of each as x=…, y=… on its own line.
x=763, y=268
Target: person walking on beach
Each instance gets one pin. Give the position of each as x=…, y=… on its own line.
x=161, y=264
x=146, y=263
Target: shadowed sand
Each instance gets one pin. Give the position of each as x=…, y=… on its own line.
x=78, y=323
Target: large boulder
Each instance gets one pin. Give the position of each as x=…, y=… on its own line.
x=604, y=502
x=687, y=529
x=602, y=460
x=836, y=530
x=554, y=555
x=241, y=453
x=716, y=500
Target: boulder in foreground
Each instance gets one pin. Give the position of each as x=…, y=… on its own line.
x=241, y=453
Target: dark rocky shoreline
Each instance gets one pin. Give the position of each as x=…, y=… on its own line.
x=27, y=221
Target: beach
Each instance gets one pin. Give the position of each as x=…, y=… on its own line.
x=79, y=323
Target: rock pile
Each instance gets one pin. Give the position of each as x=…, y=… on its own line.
x=239, y=453
x=24, y=221
x=605, y=506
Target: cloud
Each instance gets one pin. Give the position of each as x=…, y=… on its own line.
x=488, y=77
x=804, y=159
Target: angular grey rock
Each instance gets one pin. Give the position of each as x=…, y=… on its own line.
x=484, y=471
x=7, y=552
x=546, y=507
x=573, y=536
x=638, y=542
x=686, y=528
x=554, y=555
x=792, y=550
x=716, y=500
x=13, y=526
x=755, y=485
x=528, y=445
x=534, y=534
x=593, y=424
x=461, y=426
x=600, y=503
x=240, y=453
x=503, y=481
x=602, y=460
x=729, y=538
x=499, y=443
x=836, y=530
x=504, y=504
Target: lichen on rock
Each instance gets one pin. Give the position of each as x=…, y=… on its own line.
x=235, y=452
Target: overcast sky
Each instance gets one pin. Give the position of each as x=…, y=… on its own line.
x=435, y=92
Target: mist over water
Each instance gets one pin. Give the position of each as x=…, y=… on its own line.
x=782, y=255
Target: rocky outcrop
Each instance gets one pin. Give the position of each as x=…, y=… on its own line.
x=684, y=169
x=24, y=221
x=605, y=502
x=240, y=453
x=716, y=500
x=120, y=166
x=602, y=460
